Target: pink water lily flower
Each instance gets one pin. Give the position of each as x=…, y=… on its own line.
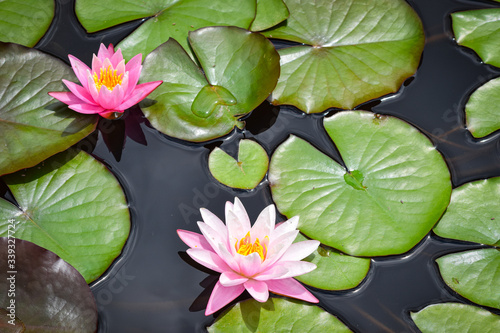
x=108, y=88
x=258, y=258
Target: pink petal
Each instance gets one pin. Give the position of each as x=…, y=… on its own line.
x=249, y=265
x=285, y=227
x=300, y=250
x=222, y=296
x=235, y=229
x=110, y=99
x=133, y=67
x=91, y=87
x=86, y=108
x=257, y=289
x=208, y=259
x=277, y=247
x=106, y=63
x=291, y=288
x=120, y=67
x=105, y=52
x=264, y=223
x=229, y=279
x=116, y=59
x=124, y=84
x=218, y=245
x=194, y=240
x=79, y=92
x=96, y=65
x=273, y=272
x=139, y=93
x=66, y=97
x=213, y=221
x=80, y=70
x=241, y=213
x=293, y=268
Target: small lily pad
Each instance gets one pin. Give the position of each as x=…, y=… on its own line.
x=246, y=172
x=480, y=31
x=72, y=205
x=473, y=214
x=355, y=50
x=35, y=126
x=49, y=294
x=277, y=315
x=25, y=21
x=482, y=111
x=335, y=270
x=455, y=318
x=473, y=274
x=239, y=69
x=397, y=185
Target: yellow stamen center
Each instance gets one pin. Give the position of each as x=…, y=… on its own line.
x=246, y=247
x=108, y=78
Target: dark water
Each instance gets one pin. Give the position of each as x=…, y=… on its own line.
x=151, y=288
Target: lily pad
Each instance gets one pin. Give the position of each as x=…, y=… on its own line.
x=395, y=188
x=480, y=31
x=239, y=63
x=72, y=205
x=25, y=21
x=167, y=19
x=35, y=126
x=277, y=315
x=473, y=274
x=482, y=109
x=456, y=318
x=247, y=172
x=335, y=270
x=356, y=50
x=50, y=295
x=473, y=214
x=269, y=13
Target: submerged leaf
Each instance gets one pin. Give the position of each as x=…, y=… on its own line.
x=72, y=205
x=398, y=189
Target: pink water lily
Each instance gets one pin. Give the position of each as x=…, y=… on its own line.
x=108, y=88
x=258, y=258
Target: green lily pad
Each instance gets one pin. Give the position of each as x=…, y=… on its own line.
x=73, y=206
x=50, y=295
x=356, y=50
x=455, y=318
x=473, y=274
x=25, y=21
x=482, y=109
x=237, y=62
x=276, y=315
x=35, y=126
x=335, y=270
x=473, y=214
x=167, y=19
x=247, y=172
x=480, y=31
x=269, y=13
x=394, y=190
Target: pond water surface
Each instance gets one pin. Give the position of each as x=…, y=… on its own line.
x=152, y=286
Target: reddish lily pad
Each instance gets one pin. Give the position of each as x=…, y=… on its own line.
x=49, y=294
